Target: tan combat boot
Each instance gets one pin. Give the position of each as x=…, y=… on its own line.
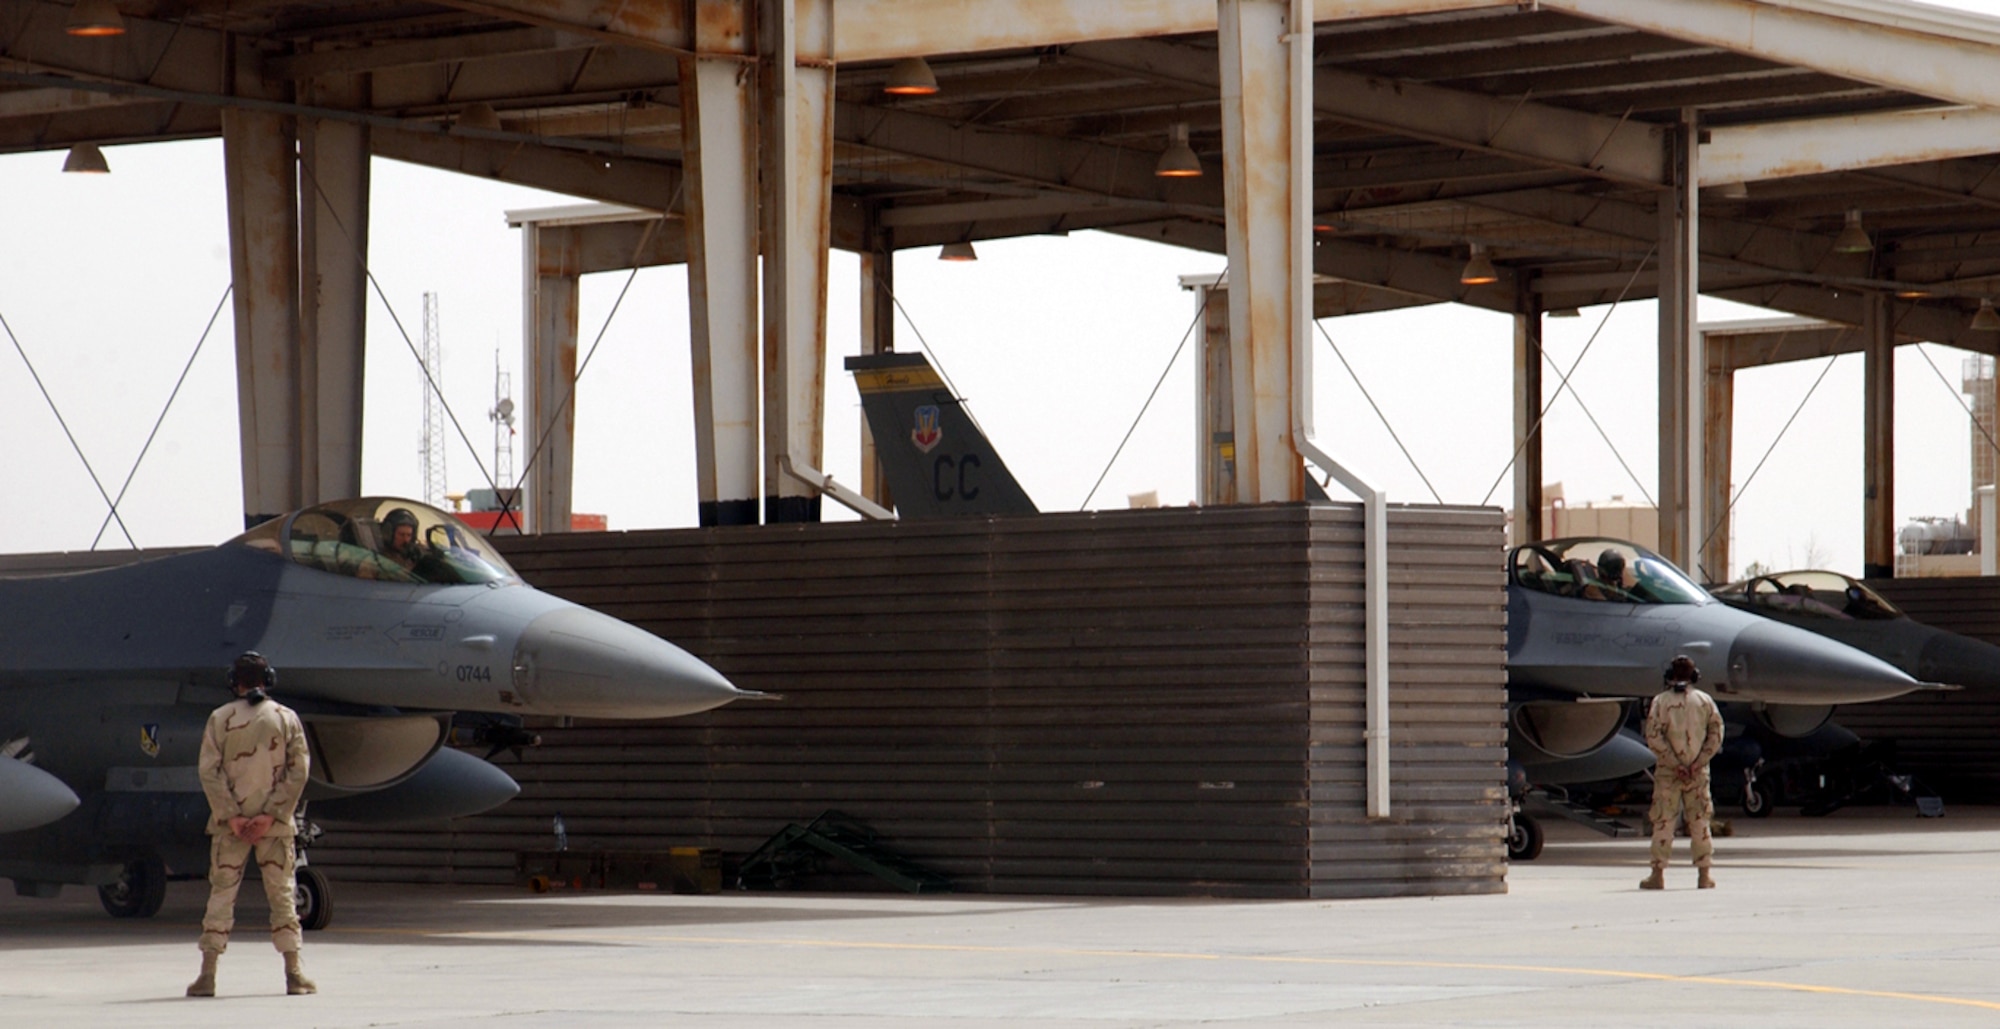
x=204, y=984
x=296, y=982
x=1705, y=882
x=1656, y=881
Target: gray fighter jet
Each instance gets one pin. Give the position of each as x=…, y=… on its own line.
x=384, y=618
x=1840, y=607
x=1591, y=623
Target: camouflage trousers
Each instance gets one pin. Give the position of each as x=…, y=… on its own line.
x=1671, y=801
x=227, y=858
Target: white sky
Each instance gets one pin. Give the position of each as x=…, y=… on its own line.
x=107, y=283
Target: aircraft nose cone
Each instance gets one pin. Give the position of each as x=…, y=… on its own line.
x=574, y=661
x=1783, y=664
x=30, y=797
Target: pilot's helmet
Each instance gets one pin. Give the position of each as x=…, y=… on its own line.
x=397, y=517
x=1681, y=672
x=1611, y=566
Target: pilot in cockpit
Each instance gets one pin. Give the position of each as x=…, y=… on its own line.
x=396, y=544
x=1610, y=584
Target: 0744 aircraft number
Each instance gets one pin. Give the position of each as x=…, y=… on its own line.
x=475, y=673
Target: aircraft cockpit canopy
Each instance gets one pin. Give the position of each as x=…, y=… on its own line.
x=1816, y=594
x=384, y=538
x=1606, y=570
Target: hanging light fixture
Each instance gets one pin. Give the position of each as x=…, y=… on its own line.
x=911, y=76
x=94, y=18
x=478, y=115
x=1179, y=160
x=1985, y=319
x=1733, y=191
x=1853, y=239
x=1565, y=312
x=959, y=251
x=87, y=159
x=1479, y=271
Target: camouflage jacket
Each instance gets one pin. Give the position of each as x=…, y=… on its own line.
x=1684, y=728
x=253, y=762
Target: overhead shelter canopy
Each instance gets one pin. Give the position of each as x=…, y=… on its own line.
x=1540, y=130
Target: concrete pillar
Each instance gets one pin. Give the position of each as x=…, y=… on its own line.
x=1718, y=445
x=550, y=298
x=333, y=298
x=795, y=42
x=1878, y=420
x=878, y=336
x=1681, y=361
x=719, y=134
x=260, y=174
x=1257, y=182
x=1528, y=401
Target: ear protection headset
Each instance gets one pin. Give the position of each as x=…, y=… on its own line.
x=253, y=670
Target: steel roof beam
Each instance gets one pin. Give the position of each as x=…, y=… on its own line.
x=425, y=52
x=1612, y=148
x=1938, y=54
x=1815, y=146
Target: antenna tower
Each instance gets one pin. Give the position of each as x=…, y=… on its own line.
x=430, y=446
x=502, y=415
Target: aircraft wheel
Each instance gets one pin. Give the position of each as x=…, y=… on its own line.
x=1524, y=839
x=313, y=898
x=1757, y=800
x=140, y=890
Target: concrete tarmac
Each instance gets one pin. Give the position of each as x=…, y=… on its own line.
x=1869, y=917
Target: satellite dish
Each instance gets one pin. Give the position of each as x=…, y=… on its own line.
x=504, y=410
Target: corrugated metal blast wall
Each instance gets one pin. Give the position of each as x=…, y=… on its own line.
x=1152, y=702
x=1950, y=740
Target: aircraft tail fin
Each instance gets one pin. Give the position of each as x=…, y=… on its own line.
x=936, y=460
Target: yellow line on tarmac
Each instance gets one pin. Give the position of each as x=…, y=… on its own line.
x=1169, y=955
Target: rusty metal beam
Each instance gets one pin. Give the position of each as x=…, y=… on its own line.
x=333, y=249
x=550, y=297
x=796, y=114
x=260, y=176
x=1930, y=52
x=1256, y=178
x=1878, y=429
x=719, y=127
x=1813, y=146
x=1517, y=128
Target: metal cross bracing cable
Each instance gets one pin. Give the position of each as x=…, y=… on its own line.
x=1161, y=381
x=936, y=364
x=361, y=261
x=1959, y=396
x=74, y=445
x=1563, y=385
x=213, y=316
x=1752, y=477
x=1378, y=413
x=555, y=416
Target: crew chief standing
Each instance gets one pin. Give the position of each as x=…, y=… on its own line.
x=1684, y=730
x=253, y=768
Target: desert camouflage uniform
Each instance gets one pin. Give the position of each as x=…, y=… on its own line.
x=1684, y=729
x=253, y=762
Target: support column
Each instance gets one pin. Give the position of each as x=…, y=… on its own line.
x=1214, y=401
x=1718, y=445
x=795, y=40
x=261, y=178
x=1528, y=402
x=1256, y=178
x=719, y=134
x=1681, y=361
x=550, y=298
x=1878, y=477
x=878, y=336
x=333, y=298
